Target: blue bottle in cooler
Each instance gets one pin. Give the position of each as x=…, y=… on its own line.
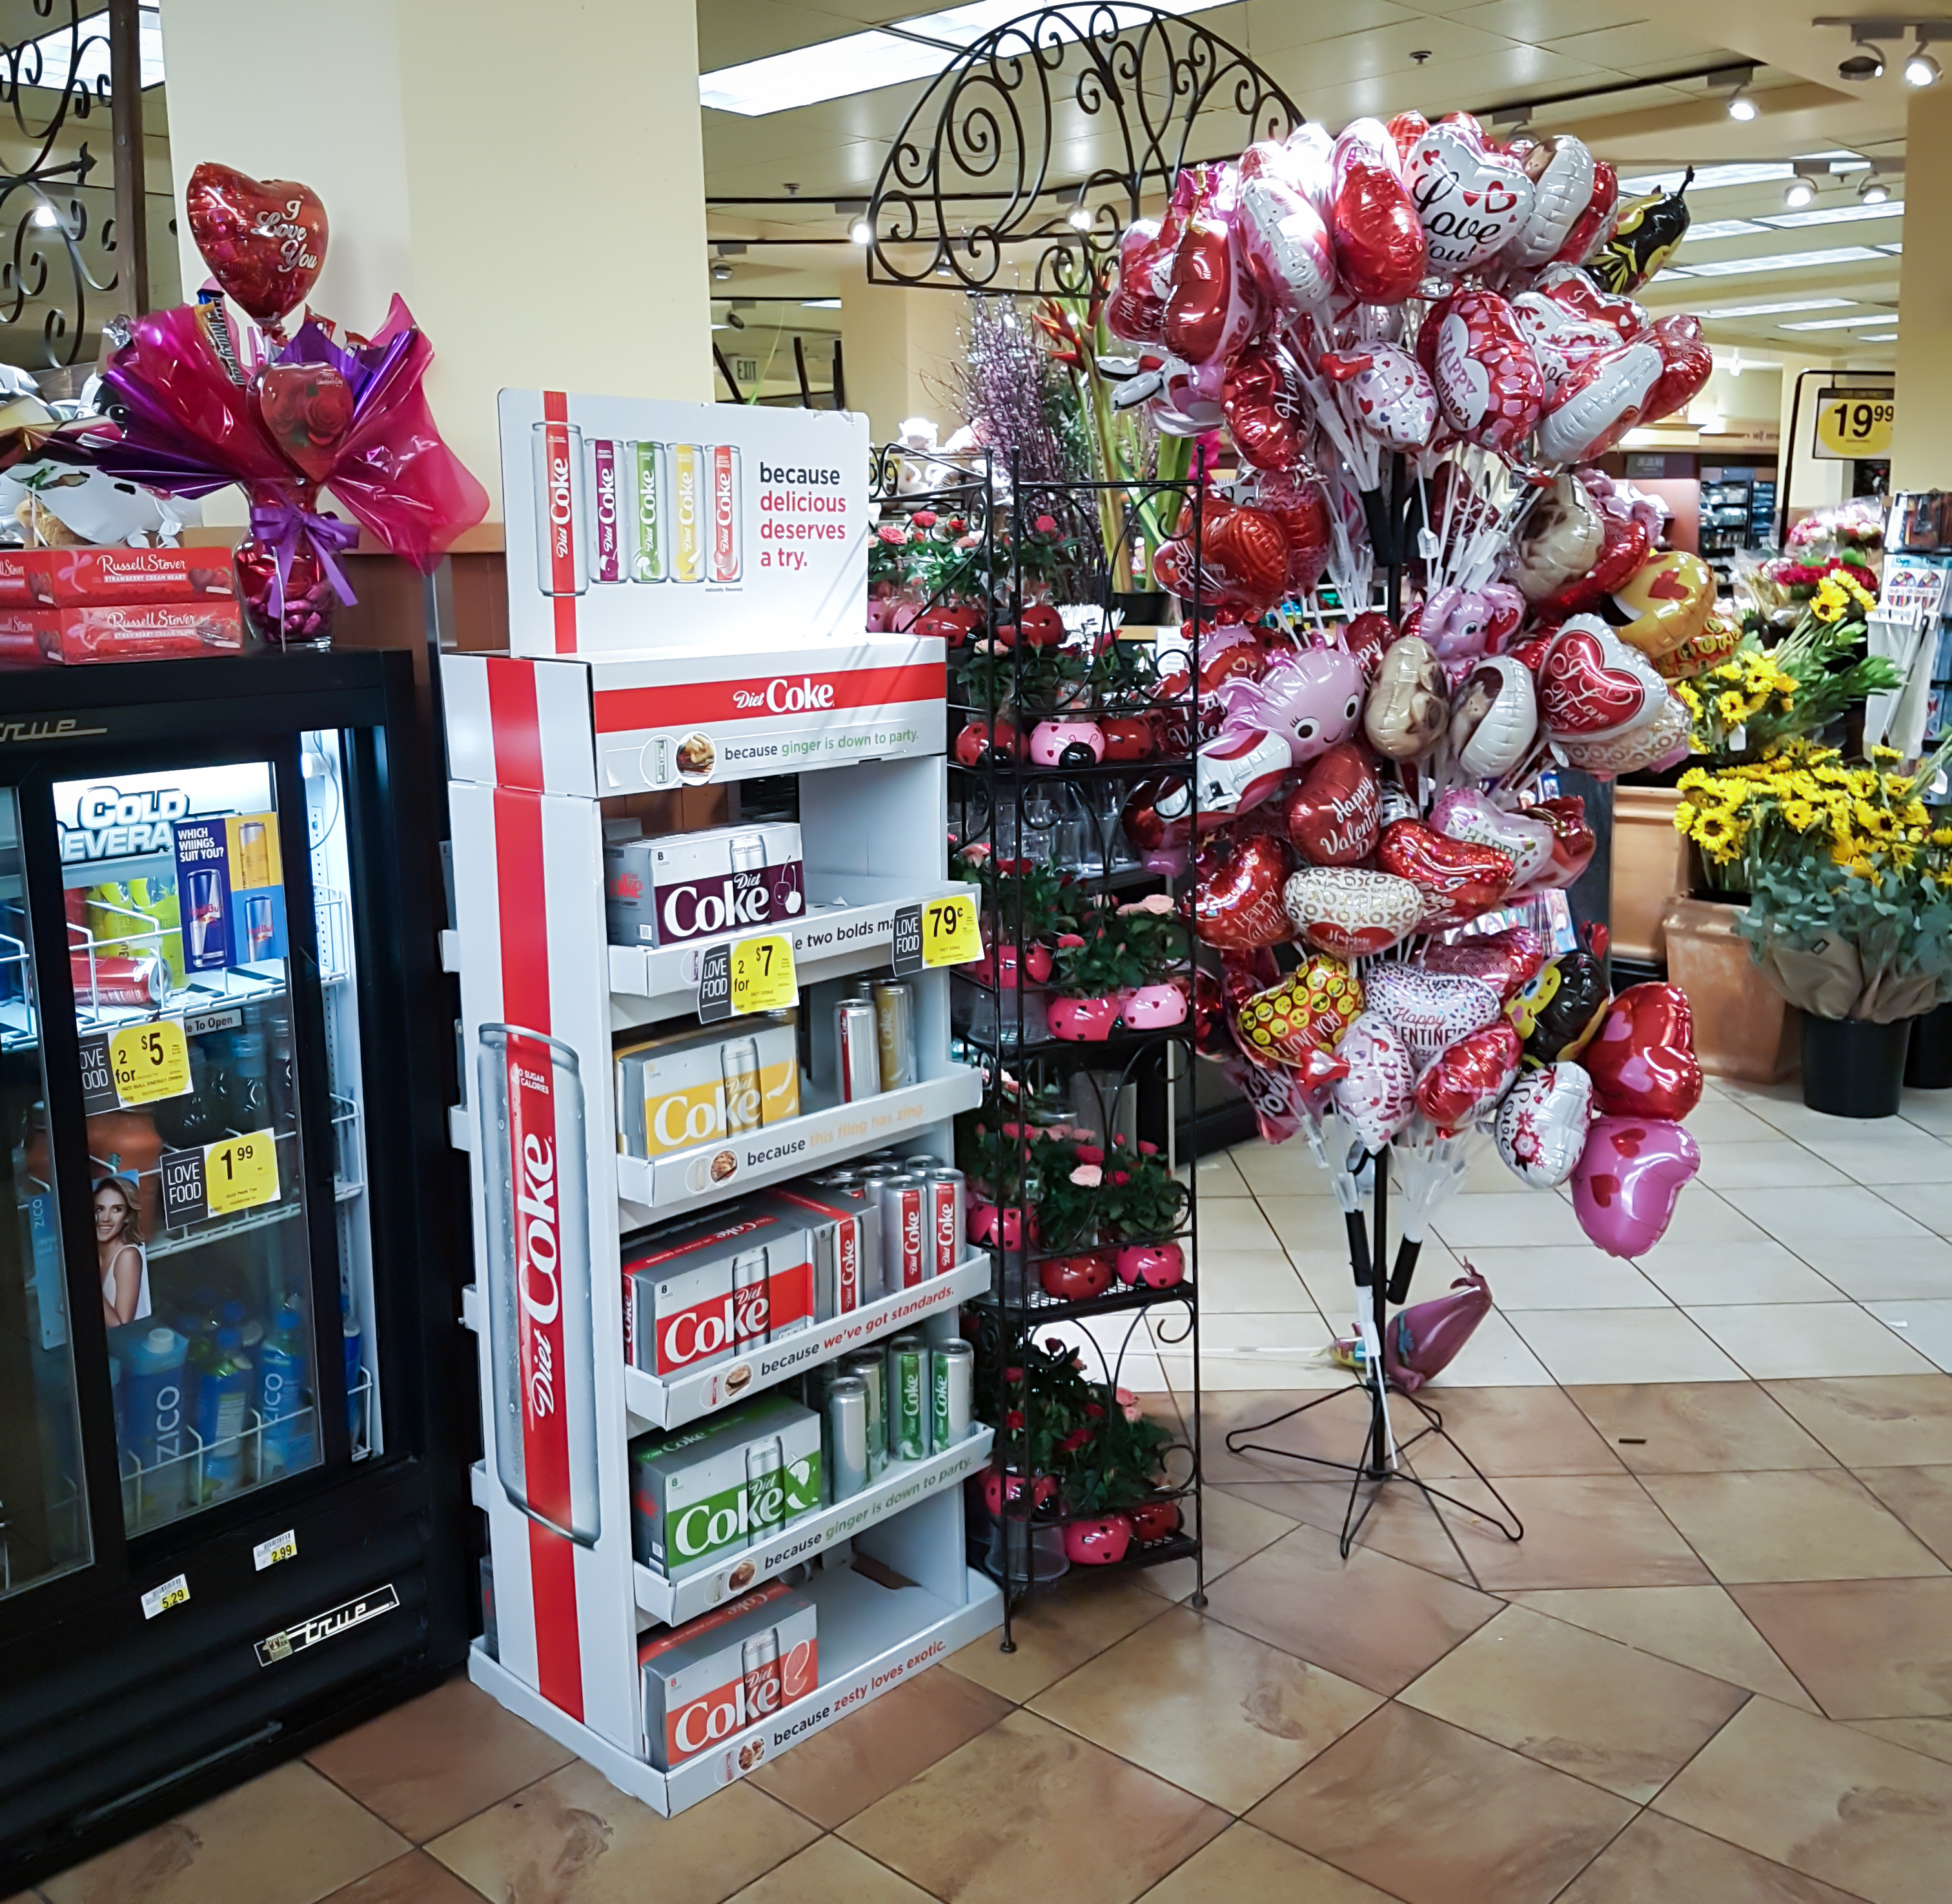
x=155, y=1415
x=354, y=1369
x=223, y=1395
x=281, y=1396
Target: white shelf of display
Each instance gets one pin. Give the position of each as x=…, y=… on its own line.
x=480, y=1489
x=670, y=1402
x=849, y=928
x=871, y=1639
x=654, y=1188
x=901, y=1486
x=450, y=949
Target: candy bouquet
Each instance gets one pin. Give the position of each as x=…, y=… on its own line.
x=194, y=399
x=1416, y=342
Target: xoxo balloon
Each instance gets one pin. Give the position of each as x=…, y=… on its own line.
x=1310, y=697
x=1349, y=911
x=1592, y=684
x=1308, y=1009
x=1468, y=1078
x=1642, y=1058
x=1457, y=879
x=1470, y=198
x=1376, y=1098
x=1494, y=719
x=1542, y=1124
x=1660, y=743
x=1430, y=1010
x=1334, y=816
x=1506, y=961
x=1560, y=1010
x=1464, y=814
x=263, y=239
x=1237, y=898
x=1409, y=707
x=1573, y=842
x=1379, y=245
x=1627, y=1180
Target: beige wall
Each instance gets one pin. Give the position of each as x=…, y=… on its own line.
x=544, y=221
x=1921, y=446
x=900, y=349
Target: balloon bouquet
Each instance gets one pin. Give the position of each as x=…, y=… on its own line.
x=1368, y=790
x=195, y=400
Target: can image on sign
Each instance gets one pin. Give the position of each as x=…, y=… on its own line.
x=908, y=1384
x=562, y=529
x=728, y=553
x=760, y=1671
x=688, y=507
x=952, y=1384
x=751, y=1322
x=602, y=460
x=646, y=490
x=540, y=1336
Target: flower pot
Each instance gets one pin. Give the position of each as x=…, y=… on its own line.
x=1005, y=970
x=991, y=1483
x=1650, y=869
x=1103, y=1543
x=1075, y=1279
x=1159, y=1266
x=1851, y=1068
x=1744, y=1028
x=1084, y=1018
x=1154, y=1520
x=1928, y=1066
x=999, y=1229
x=1130, y=736
x=1151, y=1008
x=1074, y=742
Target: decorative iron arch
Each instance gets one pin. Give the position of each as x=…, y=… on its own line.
x=970, y=175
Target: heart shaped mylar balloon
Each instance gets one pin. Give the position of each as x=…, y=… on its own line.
x=1457, y=879
x=263, y=239
x=1237, y=897
x=1334, y=815
x=1627, y=1180
x=1470, y=198
x=1506, y=961
x=306, y=409
x=1642, y=1058
x=1468, y=1077
x=1429, y=1009
x=1376, y=1098
x=1308, y=1011
x=1542, y=1124
x=1591, y=684
x=1408, y=706
x=1464, y=814
x=1350, y=912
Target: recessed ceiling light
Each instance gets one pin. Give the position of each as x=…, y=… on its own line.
x=1835, y=214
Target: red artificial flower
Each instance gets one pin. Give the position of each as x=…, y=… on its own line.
x=1074, y=1440
x=1121, y=1176
x=1090, y=1154
x=1046, y=525
x=1012, y=1130
x=924, y=519
x=1092, y=1412
x=1147, y=1150
x=1013, y=1375
x=1013, y=1421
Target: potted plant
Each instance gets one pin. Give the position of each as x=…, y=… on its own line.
x=892, y=557
x=1117, y=1195
x=1025, y=903
x=1124, y=679
x=1111, y=1497
x=1096, y=970
x=1155, y=931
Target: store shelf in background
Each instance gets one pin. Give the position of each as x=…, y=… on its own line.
x=851, y=929
x=871, y=1639
x=670, y=1401
x=655, y=1189
x=900, y=1487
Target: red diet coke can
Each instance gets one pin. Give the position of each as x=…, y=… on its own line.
x=946, y=1244
x=905, y=1247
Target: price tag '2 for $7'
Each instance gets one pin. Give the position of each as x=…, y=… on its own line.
x=763, y=979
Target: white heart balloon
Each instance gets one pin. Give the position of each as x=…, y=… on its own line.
x=1287, y=243
x=1494, y=718
x=1394, y=399
x=1430, y=1010
x=1376, y=1098
x=1469, y=198
x=1543, y=1123
x=1563, y=176
x=1597, y=403
x=1464, y=814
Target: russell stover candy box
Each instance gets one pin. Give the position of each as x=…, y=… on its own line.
x=695, y=1292
x=683, y=886
x=700, y=1494
x=725, y=1671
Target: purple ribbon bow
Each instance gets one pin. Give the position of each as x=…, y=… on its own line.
x=281, y=525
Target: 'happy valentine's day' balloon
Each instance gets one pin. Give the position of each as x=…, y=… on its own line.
x=1627, y=1180
x=1334, y=815
x=1236, y=895
x=1464, y=813
x=1542, y=1124
x=1429, y=1009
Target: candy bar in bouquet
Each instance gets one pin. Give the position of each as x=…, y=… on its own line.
x=1381, y=848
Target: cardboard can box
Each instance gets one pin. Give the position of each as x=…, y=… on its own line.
x=727, y=1670
x=679, y=1294
x=698, y=1495
x=683, y=886
x=683, y=1088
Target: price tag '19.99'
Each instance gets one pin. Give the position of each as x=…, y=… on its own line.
x=949, y=934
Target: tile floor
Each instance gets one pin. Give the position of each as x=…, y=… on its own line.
x=1718, y=1667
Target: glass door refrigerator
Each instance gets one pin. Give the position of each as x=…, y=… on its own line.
x=231, y=1501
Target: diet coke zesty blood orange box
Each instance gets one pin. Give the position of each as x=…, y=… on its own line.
x=730, y=1668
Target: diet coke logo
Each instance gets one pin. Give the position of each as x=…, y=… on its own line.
x=782, y=696
x=695, y=1335
x=690, y=910
x=537, y=1251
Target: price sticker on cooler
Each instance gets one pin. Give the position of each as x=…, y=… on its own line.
x=234, y=1174
x=750, y=975
x=149, y=1062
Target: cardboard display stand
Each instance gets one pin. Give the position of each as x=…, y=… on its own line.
x=667, y=685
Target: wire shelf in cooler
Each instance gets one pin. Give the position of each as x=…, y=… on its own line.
x=899, y=1487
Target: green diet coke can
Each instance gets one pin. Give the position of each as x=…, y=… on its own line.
x=908, y=1398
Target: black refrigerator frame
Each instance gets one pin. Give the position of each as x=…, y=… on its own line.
x=109, y=1721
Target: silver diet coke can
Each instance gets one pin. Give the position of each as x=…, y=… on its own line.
x=947, y=1242
x=904, y=1247
x=857, y=1060
x=847, y=1446
x=529, y=1104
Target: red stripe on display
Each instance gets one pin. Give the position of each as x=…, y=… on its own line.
x=525, y=1002
x=513, y=723
x=629, y=710
x=555, y=409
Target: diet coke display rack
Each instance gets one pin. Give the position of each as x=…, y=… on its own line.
x=1053, y=746
x=549, y=753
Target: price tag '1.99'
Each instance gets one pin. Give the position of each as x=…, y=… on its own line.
x=240, y=1172
x=949, y=934
x=763, y=979
x=149, y=1062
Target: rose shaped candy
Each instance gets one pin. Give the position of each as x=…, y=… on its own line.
x=1642, y=1058
x=1350, y=912
x=1542, y=1124
x=1627, y=1180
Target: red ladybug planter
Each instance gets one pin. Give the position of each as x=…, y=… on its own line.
x=1103, y=1543
x=1082, y=1019
x=989, y=1484
x=1159, y=1266
x=1154, y=1520
x=1075, y=1279
x=1000, y=1228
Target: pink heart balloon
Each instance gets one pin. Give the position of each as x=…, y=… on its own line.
x=1464, y=813
x=1627, y=1180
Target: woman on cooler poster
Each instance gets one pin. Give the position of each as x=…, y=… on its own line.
x=120, y=1253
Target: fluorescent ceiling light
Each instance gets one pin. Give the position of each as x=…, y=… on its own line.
x=1708, y=230
x=1707, y=178
x=1709, y=313
x=1835, y=214
x=820, y=304
x=1844, y=324
x=56, y=48
x=1782, y=261
x=919, y=49
x=1881, y=337
x=1895, y=250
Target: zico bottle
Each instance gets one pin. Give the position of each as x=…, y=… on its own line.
x=285, y=1444
x=562, y=527
x=530, y=1095
x=688, y=505
x=728, y=555
x=154, y=1410
x=648, y=489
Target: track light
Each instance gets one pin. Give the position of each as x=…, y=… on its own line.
x=1741, y=105
x=1801, y=191
x=860, y=232
x=1873, y=190
x=1921, y=69
x=1862, y=66
x=1079, y=217
x=45, y=216
x=721, y=273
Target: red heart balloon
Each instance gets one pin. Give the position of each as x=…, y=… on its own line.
x=1367, y=636
x=1457, y=879
x=1573, y=842
x=1247, y=551
x=1262, y=401
x=1334, y=815
x=263, y=239
x=1687, y=362
x=1302, y=511
x=1584, y=692
x=1236, y=898
x=1509, y=961
x=1642, y=1058
x=1469, y=1076
x=306, y=409
x=1379, y=245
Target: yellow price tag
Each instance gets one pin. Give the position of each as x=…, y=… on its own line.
x=949, y=934
x=1855, y=425
x=240, y=1172
x=763, y=979
x=149, y=1062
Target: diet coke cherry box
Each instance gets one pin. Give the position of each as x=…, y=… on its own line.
x=662, y=891
x=728, y=1669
